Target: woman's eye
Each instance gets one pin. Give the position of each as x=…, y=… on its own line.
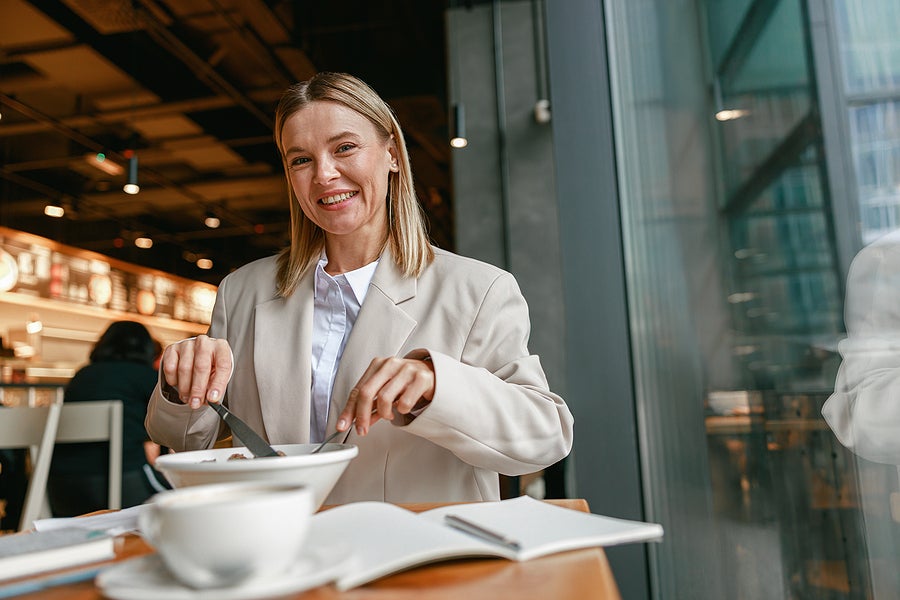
x=300, y=160
x=345, y=147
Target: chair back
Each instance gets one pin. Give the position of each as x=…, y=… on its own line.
x=97, y=421
x=32, y=427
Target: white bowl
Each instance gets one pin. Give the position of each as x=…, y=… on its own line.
x=318, y=471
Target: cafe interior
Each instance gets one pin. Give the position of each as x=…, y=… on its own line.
x=679, y=188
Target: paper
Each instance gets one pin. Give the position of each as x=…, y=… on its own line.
x=113, y=523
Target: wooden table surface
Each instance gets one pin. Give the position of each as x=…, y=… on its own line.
x=575, y=574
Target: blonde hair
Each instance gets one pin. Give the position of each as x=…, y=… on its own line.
x=407, y=235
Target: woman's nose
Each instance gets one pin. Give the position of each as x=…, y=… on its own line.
x=326, y=170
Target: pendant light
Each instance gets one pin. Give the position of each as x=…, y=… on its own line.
x=131, y=184
x=458, y=139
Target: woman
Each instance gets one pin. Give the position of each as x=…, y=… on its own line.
x=120, y=368
x=438, y=345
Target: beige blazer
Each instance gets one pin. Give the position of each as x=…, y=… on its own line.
x=492, y=410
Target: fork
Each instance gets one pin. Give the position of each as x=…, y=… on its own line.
x=328, y=439
x=335, y=434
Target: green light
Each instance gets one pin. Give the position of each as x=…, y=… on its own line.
x=101, y=157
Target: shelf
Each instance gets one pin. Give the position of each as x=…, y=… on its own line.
x=58, y=317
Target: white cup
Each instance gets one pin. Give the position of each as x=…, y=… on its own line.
x=224, y=534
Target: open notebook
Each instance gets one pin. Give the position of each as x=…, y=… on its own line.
x=387, y=539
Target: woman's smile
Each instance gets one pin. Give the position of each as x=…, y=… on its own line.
x=338, y=198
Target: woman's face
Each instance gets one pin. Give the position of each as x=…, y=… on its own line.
x=338, y=167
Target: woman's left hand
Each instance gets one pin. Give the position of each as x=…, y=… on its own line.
x=388, y=385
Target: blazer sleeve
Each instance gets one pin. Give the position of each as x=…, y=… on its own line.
x=493, y=408
x=178, y=426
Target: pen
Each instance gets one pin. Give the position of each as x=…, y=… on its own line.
x=484, y=533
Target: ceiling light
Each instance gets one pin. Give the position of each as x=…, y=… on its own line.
x=100, y=161
x=52, y=210
x=730, y=114
x=131, y=185
x=205, y=263
x=211, y=220
x=143, y=242
x=458, y=140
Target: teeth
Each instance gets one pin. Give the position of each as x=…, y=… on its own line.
x=338, y=198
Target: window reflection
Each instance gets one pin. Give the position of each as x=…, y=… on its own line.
x=735, y=293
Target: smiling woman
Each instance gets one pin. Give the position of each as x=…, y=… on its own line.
x=360, y=320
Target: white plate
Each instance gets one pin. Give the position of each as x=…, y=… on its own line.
x=146, y=578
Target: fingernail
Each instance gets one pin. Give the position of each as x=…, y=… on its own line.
x=214, y=395
x=195, y=402
x=359, y=431
x=341, y=423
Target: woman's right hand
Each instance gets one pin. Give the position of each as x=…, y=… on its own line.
x=199, y=368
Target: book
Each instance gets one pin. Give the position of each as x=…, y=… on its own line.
x=387, y=539
x=23, y=554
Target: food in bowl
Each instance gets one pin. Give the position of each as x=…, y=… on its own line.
x=320, y=471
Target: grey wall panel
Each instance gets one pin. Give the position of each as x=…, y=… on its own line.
x=598, y=369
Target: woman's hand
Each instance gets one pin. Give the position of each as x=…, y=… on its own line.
x=388, y=385
x=199, y=368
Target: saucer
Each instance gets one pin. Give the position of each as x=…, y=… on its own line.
x=147, y=578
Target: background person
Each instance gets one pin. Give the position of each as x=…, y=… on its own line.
x=120, y=368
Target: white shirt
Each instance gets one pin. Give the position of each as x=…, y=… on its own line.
x=337, y=303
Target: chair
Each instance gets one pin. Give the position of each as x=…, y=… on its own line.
x=32, y=427
x=96, y=421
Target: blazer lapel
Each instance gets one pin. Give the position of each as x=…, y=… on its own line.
x=282, y=362
x=380, y=330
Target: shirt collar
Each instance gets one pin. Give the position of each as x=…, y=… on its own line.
x=358, y=279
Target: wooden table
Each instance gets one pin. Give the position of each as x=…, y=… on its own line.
x=576, y=574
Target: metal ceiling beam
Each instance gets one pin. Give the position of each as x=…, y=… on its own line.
x=118, y=116
x=166, y=39
x=255, y=46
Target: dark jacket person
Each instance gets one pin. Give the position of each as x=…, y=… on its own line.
x=121, y=368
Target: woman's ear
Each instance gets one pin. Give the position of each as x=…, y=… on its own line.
x=392, y=150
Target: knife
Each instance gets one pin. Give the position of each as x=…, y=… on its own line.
x=252, y=440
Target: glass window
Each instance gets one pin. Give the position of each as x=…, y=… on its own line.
x=736, y=301
x=869, y=44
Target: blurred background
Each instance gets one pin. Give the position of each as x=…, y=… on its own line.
x=678, y=185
